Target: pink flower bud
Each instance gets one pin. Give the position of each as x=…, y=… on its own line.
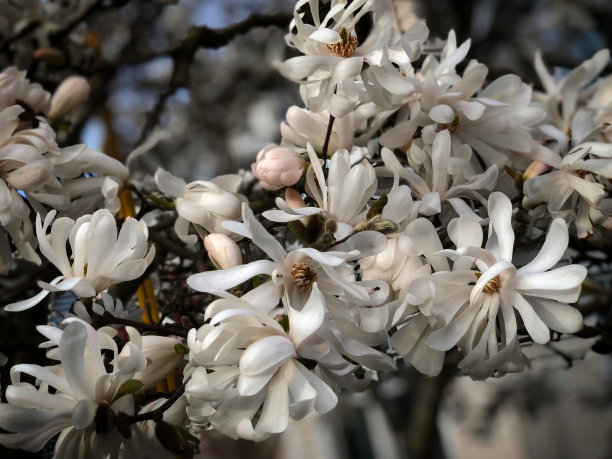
x=278, y=167
x=72, y=92
x=222, y=251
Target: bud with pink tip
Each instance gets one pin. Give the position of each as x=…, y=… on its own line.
x=222, y=251
x=72, y=92
x=277, y=167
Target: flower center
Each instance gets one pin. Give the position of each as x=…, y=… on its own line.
x=581, y=173
x=452, y=126
x=346, y=46
x=492, y=286
x=304, y=276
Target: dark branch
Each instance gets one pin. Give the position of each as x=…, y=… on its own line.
x=109, y=319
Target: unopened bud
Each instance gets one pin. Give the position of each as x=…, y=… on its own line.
x=278, y=167
x=222, y=251
x=72, y=92
x=53, y=57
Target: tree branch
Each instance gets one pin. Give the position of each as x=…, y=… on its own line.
x=108, y=319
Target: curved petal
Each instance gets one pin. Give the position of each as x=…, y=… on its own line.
x=227, y=278
x=552, y=250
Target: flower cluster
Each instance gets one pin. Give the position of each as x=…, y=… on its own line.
x=35, y=173
x=396, y=206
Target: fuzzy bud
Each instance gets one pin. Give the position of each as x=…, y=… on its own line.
x=223, y=251
x=72, y=92
x=278, y=167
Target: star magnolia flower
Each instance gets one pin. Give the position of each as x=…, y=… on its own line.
x=571, y=190
x=204, y=204
x=15, y=86
x=90, y=179
x=333, y=55
x=437, y=177
x=294, y=272
x=562, y=97
x=342, y=197
x=483, y=290
x=100, y=256
x=244, y=362
x=82, y=388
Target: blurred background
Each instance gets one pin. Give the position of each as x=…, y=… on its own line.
x=219, y=100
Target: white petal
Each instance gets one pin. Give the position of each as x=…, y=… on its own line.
x=501, y=234
x=536, y=328
x=442, y=114
x=227, y=278
x=265, y=354
x=557, y=316
x=83, y=414
x=552, y=250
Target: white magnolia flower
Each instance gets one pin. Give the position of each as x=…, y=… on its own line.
x=342, y=197
x=494, y=121
x=90, y=180
x=163, y=354
x=68, y=397
x=571, y=189
x=473, y=305
x=294, y=272
x=436, y=176
x=100, y=256
x=334, y=56
x=205, y=204
x=244, y=363
x=564, y=97
x=15, y=86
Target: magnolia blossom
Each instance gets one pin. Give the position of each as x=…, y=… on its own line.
x=294, y=272
x=204, y=204
x=496, y=123
x=15, y=86
x=563, y=97
x=90, y=179
x=343, y=196
x=278, y=167
x=463, y=305
x=571, y=189
x=334, y=56
x=82, y=388
x=435, y=176
x=100, y=256
x=244, y=362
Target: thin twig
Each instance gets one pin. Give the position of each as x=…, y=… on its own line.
x=109, y=319
x=157, y=414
